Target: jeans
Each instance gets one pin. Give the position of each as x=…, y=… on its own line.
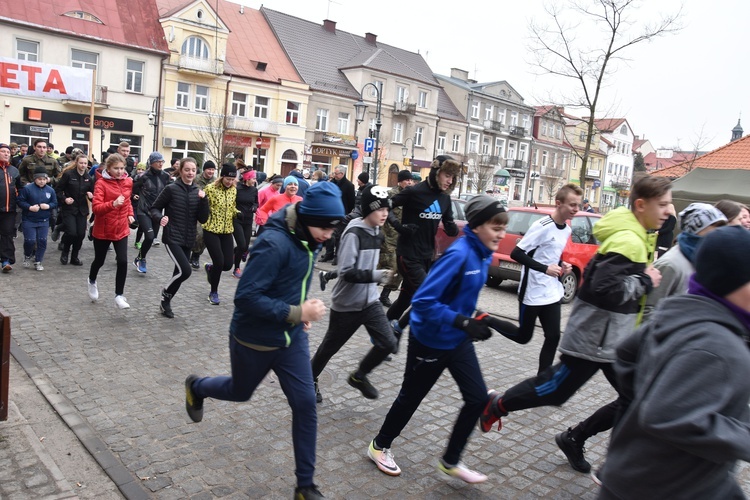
x=292, y=366
x=146, y=225
x=424, y=365
x=35, y=235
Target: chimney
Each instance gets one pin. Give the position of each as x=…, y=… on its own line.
x=460, y=74
x=371, y=38
x=329, y=25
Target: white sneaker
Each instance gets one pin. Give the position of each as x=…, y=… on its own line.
x=121, y=302
x=38, y=266
x=93, y=290
x=383, y=459
x=156, y=242
x=462, y=472
x=27, y=262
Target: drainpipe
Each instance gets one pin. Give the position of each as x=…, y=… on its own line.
x=224, y=120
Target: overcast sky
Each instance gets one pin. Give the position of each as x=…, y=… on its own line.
x=674, y=90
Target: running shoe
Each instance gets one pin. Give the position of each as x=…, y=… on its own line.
x=573, y=451
x=142, y=266
x=93, y=290
x=213, y=298
x=27, y=262
x=38, y=266
x=156, y=242
x=193, y=404
x=7, y=267
x=383, y=459
x=318, y=395
x=121, y=302
x=307, y=493
x=237, y=273
x=462, y=472
x=208, y=267
x=492, y=412
x=137, y=245
x=363, y=385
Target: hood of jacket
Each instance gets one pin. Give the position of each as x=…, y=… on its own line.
x=620, y=232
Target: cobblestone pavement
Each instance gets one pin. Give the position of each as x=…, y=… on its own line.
x=122, y=372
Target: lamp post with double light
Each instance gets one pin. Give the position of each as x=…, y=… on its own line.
x=360, y=108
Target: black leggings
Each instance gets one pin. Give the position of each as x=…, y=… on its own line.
x=181, y=257
x=146, y=226
x=74, y=226
x=549, y=317
x=413, y=272
x=220, y=247
x=121, y=257
x=242, y=234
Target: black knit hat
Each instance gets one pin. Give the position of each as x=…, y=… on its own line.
x=364, y=177
x=721, y=263
x=404, y=175
x=374, y=198
x=40, y=171
x=228, y=170
x=209, y=164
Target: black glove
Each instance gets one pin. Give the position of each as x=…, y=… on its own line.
x=407, y=229
x=475, y=328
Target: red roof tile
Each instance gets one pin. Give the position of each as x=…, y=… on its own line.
x=735, y=155
x=132, y=24
x=609, y=124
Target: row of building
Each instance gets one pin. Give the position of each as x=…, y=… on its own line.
x=217, y=80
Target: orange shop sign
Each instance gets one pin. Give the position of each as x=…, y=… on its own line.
x=29, y=78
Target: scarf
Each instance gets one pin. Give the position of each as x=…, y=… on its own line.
x=695, y=288
x=689, y=245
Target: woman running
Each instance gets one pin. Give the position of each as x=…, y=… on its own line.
x=74, y=191
x=218, y=230
x=145, y=190
x=184, y=205
x=247, y=204
x=114, y=214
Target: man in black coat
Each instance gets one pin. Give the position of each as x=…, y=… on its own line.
x=347, y=198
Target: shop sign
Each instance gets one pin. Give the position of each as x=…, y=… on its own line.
x=324, y=151
x=76, y=120
x=247, y=141
x=35, y=79
x=341, y=139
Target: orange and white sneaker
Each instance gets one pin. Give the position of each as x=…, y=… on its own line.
x=383, y=459
x=462, y=472
x=492, y=412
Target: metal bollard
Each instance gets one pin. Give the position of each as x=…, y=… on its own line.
x=4, y=363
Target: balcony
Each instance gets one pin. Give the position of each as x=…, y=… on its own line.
x=493, y=126
x=198, y=64
x=488, y=160
x=517, y=131
x=405, y=107
x=100, y=98
x=257, y=125
x=517, y=164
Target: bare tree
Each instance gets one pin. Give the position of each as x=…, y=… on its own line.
x=481, y=173
x=211, y=130
x=552, y=180
x=558, y=52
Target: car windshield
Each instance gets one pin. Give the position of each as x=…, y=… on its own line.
x=520, y=222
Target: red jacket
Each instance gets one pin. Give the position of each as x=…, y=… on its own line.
x=273, y=205
x=111, y=222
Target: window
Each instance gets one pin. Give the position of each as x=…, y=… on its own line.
x=259, y=158
x=554, y=160
x=343, y=123
x=456, y=143
x=418, y=136
x=473, y=142
x=292, y=112
x=523, y=151
x=558, y=131
x=239, y=104
x=401, y=94
x=398, y=133
x=525, y=122
x=512, y=150
x=422, y=102
x=188, y=148
x=201, y=98
x=489, y=112
x=183, y=95
x=501, y=116
x=195, y=47
x=581, y=230
x=544, y=127
x=500, y=147
x=26, y=50
x=441, y=141
x=474, y=109
x=545, y=157
x=536, y=157
x=486, y=146
x=134, y=76
x=514, y=118
x=380, y=85
x=83, y=59
x=261, y=107
x=582, y=137
x=624, y=129
x=321, y=120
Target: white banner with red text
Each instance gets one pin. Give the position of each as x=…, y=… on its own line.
x=29, y=78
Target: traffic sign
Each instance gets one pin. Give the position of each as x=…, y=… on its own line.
x=45, y=130
x=258, y=142
x=367, y=159
x=369, y=145
x=354, y=155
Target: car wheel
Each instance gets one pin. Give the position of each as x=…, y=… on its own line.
x=493, y=281
x=570, y=285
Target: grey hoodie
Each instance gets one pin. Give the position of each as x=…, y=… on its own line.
x=687, y=373
x=358, y=257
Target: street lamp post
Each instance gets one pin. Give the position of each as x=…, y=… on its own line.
x=360, y=108
x=405, y=150
x=153, y=119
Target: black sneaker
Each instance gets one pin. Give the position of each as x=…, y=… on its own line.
x=323, y=280
x=193, y=404
x=318, y=395
x=307, y=493
x=364, y=386
x=573, y=451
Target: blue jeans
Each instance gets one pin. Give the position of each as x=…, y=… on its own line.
x=424, y=365
x=292, y=366
x=35, y=234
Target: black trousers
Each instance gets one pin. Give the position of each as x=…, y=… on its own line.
x=549, y=317
x=243, y=231
x=146, y=225
x=7, y=233
x=121, y=257
x=413, y=272
x=221, y=249
x=181, y=257
x=74, y=230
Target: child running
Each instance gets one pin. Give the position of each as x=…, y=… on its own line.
x=36, y=200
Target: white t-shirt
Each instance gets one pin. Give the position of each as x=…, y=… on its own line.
x=546, y=240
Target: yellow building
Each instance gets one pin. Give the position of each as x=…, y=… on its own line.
x=576, y=131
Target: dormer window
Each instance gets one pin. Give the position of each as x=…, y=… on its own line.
x=624, y=130
x=79, y=14
x=195, y=47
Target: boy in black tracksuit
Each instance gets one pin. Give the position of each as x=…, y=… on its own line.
x=424, y=206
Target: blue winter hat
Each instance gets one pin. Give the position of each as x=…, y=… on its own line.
x=322, y=206
x=155, y=156
x=289, y=180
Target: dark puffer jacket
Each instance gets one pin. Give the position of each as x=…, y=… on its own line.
x=184, y=207
x=74, y=185
x=148, y=187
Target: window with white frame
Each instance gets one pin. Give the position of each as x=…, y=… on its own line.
x=441, y=141
x=486, y=145
x=422, y=102
x=500, y=147
x=544, y=127
x=512, y=150
x=84, y=59
x=523, y=150
x=401, y=94
x=398, y=132
x=456, y=143
x=261, y=107
x=514, y=118
x=321, y=120
x=292, y=112
x=134, y=76
x=558, y=131
x=239, y=104
x=473, y=142
x=545, y=158
x=380, y=85
x=183, y=95
x=525, y=122
x=474, y=109
x=554, y=160
x=624, y=129
x=489, y=112
x=536, y=157
x=418, y=136
x=343, y=123
x=501, y=115
x=27, y=50
x=201, y=98
x=195, y=47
